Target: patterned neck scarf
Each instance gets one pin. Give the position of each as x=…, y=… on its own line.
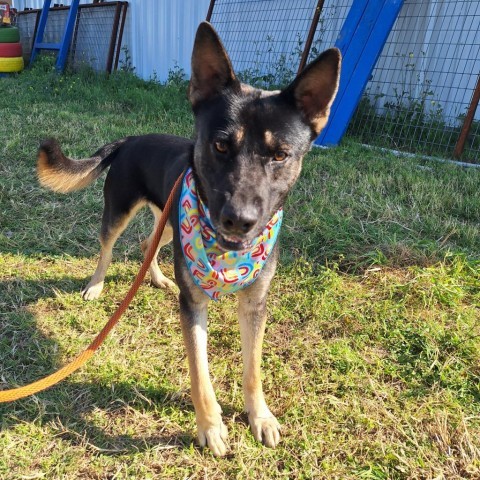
x=215, y=271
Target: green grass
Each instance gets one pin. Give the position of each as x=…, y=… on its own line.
x=371, y=356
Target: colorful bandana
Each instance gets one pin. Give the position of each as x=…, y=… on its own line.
x=215, y=271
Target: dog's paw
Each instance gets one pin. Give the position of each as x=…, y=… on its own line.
x=265, y=429
x=165, y=283
x=214, y=437
x=92, y=291
x=159, y=280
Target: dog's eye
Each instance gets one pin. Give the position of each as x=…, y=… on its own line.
x=280, y=156
x=221, y=147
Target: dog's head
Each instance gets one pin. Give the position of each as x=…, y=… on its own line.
x=250, y=142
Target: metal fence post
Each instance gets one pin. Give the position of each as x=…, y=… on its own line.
x=467, y=122
x=210, y=10
x=311, y=35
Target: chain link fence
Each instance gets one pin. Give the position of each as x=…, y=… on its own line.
x=97, y=37
x=424, y=90
x=423, y=85
x=270, y=40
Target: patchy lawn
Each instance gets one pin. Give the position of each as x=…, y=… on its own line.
x=372, y=351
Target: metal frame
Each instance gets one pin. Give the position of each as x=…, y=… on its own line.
x=120, y=34
x=117, y=30
x=467, y=123
x=311, y=34
x=210, y=10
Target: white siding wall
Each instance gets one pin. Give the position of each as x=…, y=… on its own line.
x=161, y=33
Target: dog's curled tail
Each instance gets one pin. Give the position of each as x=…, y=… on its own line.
x=62, y=174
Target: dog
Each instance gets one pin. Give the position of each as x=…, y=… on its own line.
x=246, y=156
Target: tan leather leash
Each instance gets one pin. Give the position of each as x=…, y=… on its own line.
x=54, y=378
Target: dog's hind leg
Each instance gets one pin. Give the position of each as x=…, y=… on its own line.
x=111, y=230
x=158, y=278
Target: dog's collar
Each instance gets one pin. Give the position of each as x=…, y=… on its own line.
x=217, y=272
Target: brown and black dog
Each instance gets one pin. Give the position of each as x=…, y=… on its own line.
x=246, y=156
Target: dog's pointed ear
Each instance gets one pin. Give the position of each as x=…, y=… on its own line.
x=315, y=88
x=212, y=70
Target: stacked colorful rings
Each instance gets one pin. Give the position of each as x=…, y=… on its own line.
x=11, y=59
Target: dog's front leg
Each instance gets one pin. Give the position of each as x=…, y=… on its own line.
x=252, y=316
x=211, y=429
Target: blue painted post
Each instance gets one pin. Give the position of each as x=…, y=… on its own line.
x=64, y=44
x=40, y=29
x=67, y=35
x=361, y=41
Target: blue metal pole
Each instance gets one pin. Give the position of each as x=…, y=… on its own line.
x=40, y=29
x=361, y=41
x=67, y=35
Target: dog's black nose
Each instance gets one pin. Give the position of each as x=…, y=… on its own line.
x=238, y=222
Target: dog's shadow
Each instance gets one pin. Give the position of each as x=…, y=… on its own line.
x=117, y=403
x=27, y=354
